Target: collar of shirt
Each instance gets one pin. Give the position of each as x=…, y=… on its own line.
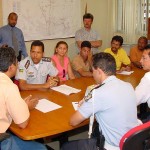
x=5, y=77
x=147, y=75
x=87, y=61
x=31, y=62
x=9, y=27
x=87, y=30
x=110, y=78
x=116, y=54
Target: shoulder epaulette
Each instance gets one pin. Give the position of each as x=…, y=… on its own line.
x=27, y=64
x=46, y=59
x=89, y=95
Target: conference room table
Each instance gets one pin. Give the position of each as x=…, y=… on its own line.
x=56, y=122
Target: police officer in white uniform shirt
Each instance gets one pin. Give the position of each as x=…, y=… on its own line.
x=34, y=70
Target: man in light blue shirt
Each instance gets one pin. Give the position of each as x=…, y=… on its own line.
x=114, y=102
x=11, y=36
x=33, y=71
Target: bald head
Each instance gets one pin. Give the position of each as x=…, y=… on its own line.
x=12, y=19
x=142, y=43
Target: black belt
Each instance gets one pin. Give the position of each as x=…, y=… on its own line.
x=4, y=136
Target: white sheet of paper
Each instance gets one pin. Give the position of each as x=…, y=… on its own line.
x=75, y=105
x=65, y=89
x=126, y=72
x=45, y=105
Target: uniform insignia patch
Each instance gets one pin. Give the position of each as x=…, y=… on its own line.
x=27, y=64
x=47, y=59
x=30, y=72
x=21, y=70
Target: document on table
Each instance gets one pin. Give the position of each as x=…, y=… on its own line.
x=45, y=106
x=65, y=89
x=75, y=105
x=126, y=72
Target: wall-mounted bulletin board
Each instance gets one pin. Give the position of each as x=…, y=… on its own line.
x=45, y=19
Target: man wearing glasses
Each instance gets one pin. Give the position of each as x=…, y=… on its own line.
x=142, y=90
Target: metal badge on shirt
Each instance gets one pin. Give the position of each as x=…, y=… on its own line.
x=30, y=74
x=21, y=70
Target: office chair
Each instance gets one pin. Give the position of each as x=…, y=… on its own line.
x=137, y=138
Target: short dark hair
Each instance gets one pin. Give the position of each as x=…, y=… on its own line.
x=148, y=48
x=86, y=44
x=88, y=16
x=105, y=62
x=118, y=39
x=38, y=43
x=12, y=13
x=7, y=58
x=144, y=38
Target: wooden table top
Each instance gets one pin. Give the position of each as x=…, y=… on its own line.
x=134, y=78
x=57, y=121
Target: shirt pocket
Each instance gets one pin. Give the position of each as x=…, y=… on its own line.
x=31, y=76
x=44, y=73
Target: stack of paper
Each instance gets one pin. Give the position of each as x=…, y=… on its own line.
x=45, y=105
x=75, y=105
x=126, y=72
x=65, y=89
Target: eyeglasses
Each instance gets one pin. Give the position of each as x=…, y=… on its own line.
x=64, y=73
x=89, y=95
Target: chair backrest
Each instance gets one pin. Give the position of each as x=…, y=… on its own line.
x=137, y=138
x=17, y=83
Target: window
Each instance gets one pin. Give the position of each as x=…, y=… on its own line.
x=132, y=17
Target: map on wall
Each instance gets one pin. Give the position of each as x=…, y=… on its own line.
x=45, y=19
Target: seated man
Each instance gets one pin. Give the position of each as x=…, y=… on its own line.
x=136, y=51
x=81, y=63
x=113, y=99
x=142, y=90
x=13, y=107
x=120, y=55
x=33, y=71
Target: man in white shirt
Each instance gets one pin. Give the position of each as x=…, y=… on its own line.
x=142, y=90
